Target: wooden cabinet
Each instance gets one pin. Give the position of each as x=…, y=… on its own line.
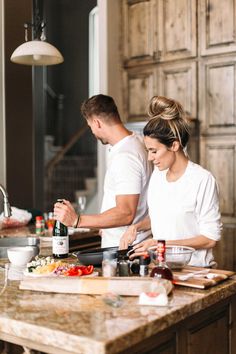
x=217, y=26
x=176, y=33
x=211, y=331
x=186, y=49
x=140, y=85
x=139, y=31
x=178, y=80
x=217, y=95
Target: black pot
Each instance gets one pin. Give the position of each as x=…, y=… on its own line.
x=95, y=256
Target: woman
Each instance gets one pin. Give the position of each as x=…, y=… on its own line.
x=182, y=196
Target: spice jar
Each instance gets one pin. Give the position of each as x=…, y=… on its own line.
x=39, y=225
x=109, y=264
x=123, y=266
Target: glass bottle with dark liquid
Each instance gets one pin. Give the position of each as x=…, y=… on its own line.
x=60, y=239
x=161, y=270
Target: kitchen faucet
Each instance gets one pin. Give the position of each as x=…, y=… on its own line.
x=6, y=204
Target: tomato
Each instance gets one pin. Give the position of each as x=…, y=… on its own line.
x=88, y=270
x=74, y=272
x=79, y=270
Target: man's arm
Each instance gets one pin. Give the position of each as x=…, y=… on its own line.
x=122, y=214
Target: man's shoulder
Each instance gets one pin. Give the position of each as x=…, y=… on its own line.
x=134, y=144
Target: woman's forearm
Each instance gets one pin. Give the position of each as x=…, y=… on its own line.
x=197, y=242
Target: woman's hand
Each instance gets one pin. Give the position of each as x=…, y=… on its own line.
x=65, y=213
x=142, y=247
x=128, y=237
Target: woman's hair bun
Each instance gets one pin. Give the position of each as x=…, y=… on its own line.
x=165, y=108
x=168, y=121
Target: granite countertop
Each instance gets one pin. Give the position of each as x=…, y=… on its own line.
x=86, y=324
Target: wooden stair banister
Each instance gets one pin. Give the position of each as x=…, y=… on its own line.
x=59, y=156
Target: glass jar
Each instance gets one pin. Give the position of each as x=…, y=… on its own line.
x=123, y=266
x=109, y=264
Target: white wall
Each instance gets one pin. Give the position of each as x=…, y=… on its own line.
x=110, y=67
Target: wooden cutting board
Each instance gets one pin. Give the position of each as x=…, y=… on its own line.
x=128, y=286
x=201, y=281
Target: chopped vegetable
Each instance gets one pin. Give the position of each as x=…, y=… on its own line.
x=48, y=265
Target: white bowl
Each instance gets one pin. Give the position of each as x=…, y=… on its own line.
x=176, y=256
x=20, y=256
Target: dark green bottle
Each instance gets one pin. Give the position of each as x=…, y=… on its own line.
x=60, y=239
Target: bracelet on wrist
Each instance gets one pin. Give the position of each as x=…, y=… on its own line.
x=77, y=222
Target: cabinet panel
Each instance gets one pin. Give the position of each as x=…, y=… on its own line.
x=217, y=26
x=210, y=336
x=139, y=29
x=225, y=250
x=161, y=343
x=217, y=89
x=177, y=29
x=178, y=81
x=219, y=157
x=141, y=87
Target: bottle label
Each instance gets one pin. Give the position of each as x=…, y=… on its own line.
x=60, y=245
x=161, y=250
x=39, y=227
x=143, y=271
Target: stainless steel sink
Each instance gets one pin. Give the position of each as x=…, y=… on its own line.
x=7, y=242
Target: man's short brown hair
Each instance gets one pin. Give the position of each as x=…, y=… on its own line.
x=100, y=105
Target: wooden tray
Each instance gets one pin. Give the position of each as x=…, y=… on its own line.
x=201, y=281
x=128, y=286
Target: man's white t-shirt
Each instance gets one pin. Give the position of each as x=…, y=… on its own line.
x=185, y=208
x=128, y=172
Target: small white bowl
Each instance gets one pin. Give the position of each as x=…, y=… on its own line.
x=20, y=256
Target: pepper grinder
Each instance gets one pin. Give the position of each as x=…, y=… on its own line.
x=123, y=266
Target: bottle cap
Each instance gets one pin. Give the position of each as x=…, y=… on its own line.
x=122, y=257
x=39, y=217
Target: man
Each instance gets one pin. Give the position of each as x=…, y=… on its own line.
x=126, y=180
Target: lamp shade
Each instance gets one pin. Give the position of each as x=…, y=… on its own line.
x=36, y=52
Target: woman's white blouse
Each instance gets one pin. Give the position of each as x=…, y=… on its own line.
x=185, y=208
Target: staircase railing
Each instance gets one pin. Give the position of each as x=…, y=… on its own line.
x=59, y=156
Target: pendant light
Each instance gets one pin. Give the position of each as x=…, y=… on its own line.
x=38, y=51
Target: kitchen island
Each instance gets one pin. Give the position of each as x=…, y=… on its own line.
x=195, y=321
